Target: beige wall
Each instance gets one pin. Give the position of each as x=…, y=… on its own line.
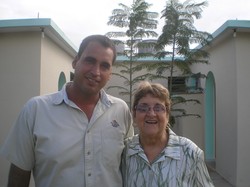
x=19, y=74
x=229, y=62
x=54, y=60
x=29, y=66
x=118, y=81
x=222, y=64
x=243, y=108
x=19, y=77
x=190, y=127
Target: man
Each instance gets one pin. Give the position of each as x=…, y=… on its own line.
x=74, y=137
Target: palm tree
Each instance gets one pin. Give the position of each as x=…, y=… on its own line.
x=178, y=34
x=139, y=24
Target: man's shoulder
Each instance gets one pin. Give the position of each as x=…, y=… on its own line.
x=46, y=98
x=114, y=99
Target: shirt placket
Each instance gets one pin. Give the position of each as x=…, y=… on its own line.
x=88, y=154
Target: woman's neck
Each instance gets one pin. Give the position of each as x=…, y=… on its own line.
x=153, y=146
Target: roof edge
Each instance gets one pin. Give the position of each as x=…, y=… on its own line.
x=43, y=23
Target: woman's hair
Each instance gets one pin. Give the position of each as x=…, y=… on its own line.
x=103, y=40
x=156, y=90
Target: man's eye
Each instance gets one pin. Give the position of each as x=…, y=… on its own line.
x=89, y=60
x=106, y=66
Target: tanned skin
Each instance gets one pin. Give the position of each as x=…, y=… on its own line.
x=18, y=177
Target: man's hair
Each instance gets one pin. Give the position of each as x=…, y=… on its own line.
x=103, y=40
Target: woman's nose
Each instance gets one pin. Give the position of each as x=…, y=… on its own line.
x=151, y=111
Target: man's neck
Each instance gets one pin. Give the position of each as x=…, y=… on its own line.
x=86, y=102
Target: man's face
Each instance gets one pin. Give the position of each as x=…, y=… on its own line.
x=93, y=68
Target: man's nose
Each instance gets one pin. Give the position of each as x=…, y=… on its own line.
x=96, y=70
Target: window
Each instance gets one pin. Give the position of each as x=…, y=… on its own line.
x=61, y=81
x=190, y=84
x=178, y=84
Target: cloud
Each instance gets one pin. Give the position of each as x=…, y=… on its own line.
x=77, y=19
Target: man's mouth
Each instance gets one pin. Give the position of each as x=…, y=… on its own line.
x=92, y=80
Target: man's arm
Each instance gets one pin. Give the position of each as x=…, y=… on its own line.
x=18, y=177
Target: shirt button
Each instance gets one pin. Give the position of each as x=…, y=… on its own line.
x=88, y=152
x=89, y=174
x=87, y=131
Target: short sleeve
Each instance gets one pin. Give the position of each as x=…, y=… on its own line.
x=19, y=144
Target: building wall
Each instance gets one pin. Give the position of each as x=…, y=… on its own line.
x=29, y=66
x=19, y=78
x=229, y=62
x=54, y=60
x=224, y=68
x=119, y=81
x=243, y=108
x=190, y=127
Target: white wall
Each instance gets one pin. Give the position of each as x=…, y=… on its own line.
x=229, y=62
x=30, y=65
x=54, y=60
x=19, y=78
x=192, y=127
x=243, y=109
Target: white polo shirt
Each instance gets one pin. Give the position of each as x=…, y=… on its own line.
x=54, y=138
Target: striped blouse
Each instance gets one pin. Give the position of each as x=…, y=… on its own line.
x=180, y=164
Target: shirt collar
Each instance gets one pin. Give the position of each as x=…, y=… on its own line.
x=63, y=96
x=173, y=149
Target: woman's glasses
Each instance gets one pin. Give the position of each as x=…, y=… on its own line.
x=144, y=108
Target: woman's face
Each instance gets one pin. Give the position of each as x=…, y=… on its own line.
x=151, y=116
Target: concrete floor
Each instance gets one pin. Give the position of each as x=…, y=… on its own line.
x=218, y=180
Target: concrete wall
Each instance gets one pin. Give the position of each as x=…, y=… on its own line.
x=243, y=108
x=29, y=66
x=190, y=127
x=54, y=60
x=229, y=63
x=20, y=79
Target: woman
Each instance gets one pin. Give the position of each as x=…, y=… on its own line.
x=157, y=156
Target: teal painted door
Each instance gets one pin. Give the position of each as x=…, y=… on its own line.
x=210, y=117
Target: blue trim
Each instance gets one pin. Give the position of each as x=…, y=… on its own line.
x=121, y=58
x=25, y=22
x=36, y=22
x=210, y=117
x=234, y=24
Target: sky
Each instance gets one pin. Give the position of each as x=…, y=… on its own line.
x=80, y=18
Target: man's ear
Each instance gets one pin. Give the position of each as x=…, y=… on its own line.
x=74, y=62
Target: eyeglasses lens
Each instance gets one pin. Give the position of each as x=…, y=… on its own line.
x=146, y=108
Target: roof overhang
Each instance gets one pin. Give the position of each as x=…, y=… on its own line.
x=229, y=29
x=45, y=25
